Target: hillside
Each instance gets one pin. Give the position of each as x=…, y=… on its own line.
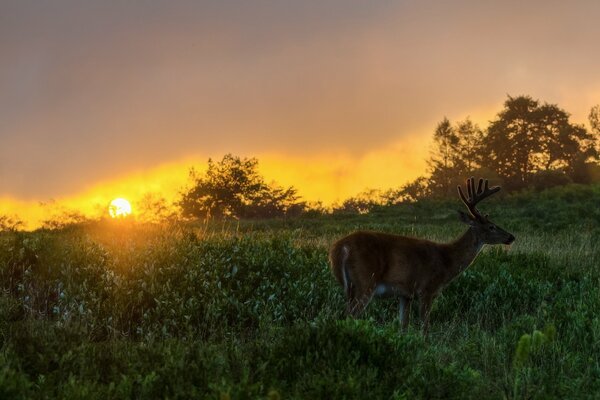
x=249, y=309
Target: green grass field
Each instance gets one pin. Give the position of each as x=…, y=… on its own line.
x=250, y=310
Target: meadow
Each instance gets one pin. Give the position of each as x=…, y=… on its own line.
x=249, y=309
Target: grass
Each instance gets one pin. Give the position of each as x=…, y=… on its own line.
x=250, y=310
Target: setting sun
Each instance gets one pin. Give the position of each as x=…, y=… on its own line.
x=119, y=208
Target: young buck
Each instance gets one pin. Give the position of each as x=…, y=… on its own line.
x=371, y=264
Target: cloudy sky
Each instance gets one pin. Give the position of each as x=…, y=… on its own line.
x=99, y=99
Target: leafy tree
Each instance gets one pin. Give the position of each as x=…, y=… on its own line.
x=563, y=144
x=413, y=191
x=445, y=163
x=233, y=187
x=470, y=138
x=512, y=141
x=527, y=138
x=594, y=118
x=273, y=201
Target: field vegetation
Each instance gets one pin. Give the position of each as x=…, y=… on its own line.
x=249, y=309
x=227, y=292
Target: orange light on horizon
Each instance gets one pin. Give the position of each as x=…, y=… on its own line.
x=321, y=177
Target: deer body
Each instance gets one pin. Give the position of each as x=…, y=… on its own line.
x=369, y=264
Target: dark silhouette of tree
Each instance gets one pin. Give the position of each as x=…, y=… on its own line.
x=512, y=141
x=413, y=191
x=445, y=163
x=272, y=201
x=594, y=118
x=527, y=138
x=233, y=187
x=470, y=138
x=564, y=145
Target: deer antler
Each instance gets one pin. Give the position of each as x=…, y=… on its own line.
x=475, y=197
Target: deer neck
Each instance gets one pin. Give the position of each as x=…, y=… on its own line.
x=462, y=252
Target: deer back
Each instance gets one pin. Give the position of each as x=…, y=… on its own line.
x=371, y=258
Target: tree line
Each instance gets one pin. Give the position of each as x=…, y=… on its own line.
x=529, y=144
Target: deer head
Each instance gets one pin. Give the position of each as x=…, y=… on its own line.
x=484, y=229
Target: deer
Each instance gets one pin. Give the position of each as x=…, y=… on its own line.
x=376, y=264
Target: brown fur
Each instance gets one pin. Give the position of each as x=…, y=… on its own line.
x=410, y=267
x=365, y=262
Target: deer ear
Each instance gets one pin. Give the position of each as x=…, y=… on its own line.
x=466, y=218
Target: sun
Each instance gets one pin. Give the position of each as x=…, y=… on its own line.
x=119, y=208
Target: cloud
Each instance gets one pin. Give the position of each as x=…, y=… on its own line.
x=91, y=91
x=320, y=177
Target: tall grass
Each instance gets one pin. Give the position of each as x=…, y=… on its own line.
x=250, y=310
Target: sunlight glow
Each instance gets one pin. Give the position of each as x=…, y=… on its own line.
x=327, y=177
x=119, y=208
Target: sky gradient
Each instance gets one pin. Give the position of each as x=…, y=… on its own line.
x=101, y=100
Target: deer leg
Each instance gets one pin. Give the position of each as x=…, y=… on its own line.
x=405, y=304
x=425, y=309
x=357, y=305
x=350, y=299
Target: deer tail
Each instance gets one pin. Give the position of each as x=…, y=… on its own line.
x=339, y=265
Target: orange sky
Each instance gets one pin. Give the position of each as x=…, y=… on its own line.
x=100, y=100
x=320, y=177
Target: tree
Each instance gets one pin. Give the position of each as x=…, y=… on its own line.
x=527, y=138
x=564, y=145
x=233, y=187
x=470, y=138
x=413, y=191
x=445, y=163
x=512, y=140
x=594, y=118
